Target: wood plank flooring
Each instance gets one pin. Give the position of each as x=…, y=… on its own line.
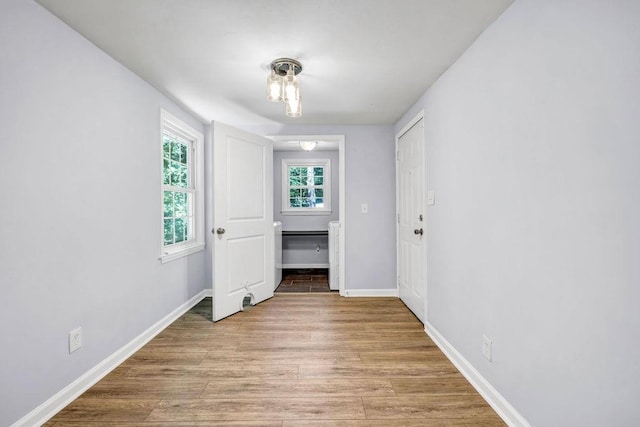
x=295, y=360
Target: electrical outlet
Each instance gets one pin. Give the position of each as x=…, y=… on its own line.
x=486, y=347
x=75, y=340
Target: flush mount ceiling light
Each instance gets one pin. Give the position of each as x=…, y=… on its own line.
x=308, y=145
x=283, y=85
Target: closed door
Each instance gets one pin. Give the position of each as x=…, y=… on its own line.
x=411, y=219
x=243, y=255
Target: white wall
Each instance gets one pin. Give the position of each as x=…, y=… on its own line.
x=532, y=149
x=80, y=211
x=370, y=178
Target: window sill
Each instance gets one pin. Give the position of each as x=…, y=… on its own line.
x=308, y=212
x=181, y=252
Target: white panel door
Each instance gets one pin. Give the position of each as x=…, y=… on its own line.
x=243, y=255
x=411, y=224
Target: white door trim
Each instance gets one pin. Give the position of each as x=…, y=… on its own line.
x=340, y=141
x=405, y=129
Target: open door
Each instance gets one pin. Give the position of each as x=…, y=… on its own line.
x=243, y=250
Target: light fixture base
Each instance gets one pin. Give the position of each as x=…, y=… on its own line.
x=282, y=65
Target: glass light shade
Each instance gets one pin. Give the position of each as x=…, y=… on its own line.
x=274, y=87
x=291, y=90
x=294, y=108
x=308, y=145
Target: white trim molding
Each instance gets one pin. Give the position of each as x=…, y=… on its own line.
x=371, y=293
x=58, y=401
x=505, y=410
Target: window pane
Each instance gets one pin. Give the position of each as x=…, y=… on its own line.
x=183, y=153
x=319, y=192
x=166, y=172
x=296, y=181
x=175, y=173
x=317, y=171
x=318, y=180
x=175, y=151
x=305, y=195
x=180, y=229
x=166, y=147
x=168, y=232
x=168, y=204
x=319, y=202
x=184, y=177
x=181, y=207
x=295, y=198
x=310, y=176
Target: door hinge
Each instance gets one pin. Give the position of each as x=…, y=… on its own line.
x=398, y=218
x=398, y=155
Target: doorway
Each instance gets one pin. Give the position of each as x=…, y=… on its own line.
x=309, y=205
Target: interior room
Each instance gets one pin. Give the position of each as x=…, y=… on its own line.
x=482, y=265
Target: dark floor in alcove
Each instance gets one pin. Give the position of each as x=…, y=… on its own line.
x=307, y=280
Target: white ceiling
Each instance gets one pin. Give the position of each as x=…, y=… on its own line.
x=365, y=61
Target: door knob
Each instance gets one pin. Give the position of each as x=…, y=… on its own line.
x=418, y=231
x=220, y=230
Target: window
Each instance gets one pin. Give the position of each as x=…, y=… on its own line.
x=306, y=186
x=182, y=194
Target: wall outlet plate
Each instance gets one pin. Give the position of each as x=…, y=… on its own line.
x=486, y=347
x=75, y=340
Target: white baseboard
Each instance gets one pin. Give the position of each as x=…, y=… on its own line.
x=508, y=413
x=371, y=293
x=58, y=401
x=303, y=266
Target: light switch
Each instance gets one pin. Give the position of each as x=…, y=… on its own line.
x=431, y=198
x=364, y=208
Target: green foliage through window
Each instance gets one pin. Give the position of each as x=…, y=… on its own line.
x=306, y=186
x=178, y=197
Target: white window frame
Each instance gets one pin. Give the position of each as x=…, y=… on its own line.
x=288, y=163
x=196, y=170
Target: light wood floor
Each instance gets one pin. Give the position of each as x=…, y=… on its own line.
x=295, y=360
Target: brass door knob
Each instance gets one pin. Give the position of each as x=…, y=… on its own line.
x=418, y=231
